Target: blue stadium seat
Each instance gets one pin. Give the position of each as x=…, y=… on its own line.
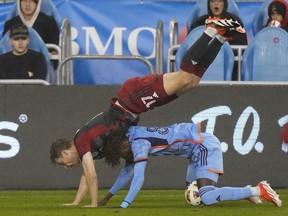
x=47, y=7
x=220, y=69
x=200, y=9
x=266, y=57
x=261, y=17
x=36, y=43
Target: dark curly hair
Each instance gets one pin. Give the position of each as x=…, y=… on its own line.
x=112, y=146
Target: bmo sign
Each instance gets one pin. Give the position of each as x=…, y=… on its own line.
x=9, y=142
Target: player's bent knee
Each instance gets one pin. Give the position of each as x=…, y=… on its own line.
x=189, y=79
x=208, y=195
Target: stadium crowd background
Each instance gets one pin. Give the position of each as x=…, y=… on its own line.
x=105, y=28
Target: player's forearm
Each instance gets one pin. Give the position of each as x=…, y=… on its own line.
x=123, y=178
x=93, y=190
x=91, y=178
x=106, y=199
x=133, y=191
x=82, y=190
x=136, y=184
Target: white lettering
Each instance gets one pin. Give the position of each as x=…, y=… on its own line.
x=281, y=122
x=93, y=40
x=210, y=115
x=92, y=34
x=239, y=131
x=10, y=141
x=242, y=147
x=133, y=38
x=74, y=44
x=148, y=101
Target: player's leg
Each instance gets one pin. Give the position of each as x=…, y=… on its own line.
x=202, y=53
x=200, y=56
x=140, y=94
x=190, y=173
x=208, y=166
x=194, y=63
x=210, y=194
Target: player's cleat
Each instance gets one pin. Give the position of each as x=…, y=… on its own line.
x=254, y=199
x=268, y=194
x=228, y=28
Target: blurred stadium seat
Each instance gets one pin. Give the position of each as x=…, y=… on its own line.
x=220, y=69
x=36, y=43
x=266, y=57
x=261, y=17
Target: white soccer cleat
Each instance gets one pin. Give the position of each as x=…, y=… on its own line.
x=228, y=28
x=220, y=23
x=268, y=194
x=254, y=199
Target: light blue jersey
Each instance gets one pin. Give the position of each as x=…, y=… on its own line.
x=176, y=139
x=185, y=140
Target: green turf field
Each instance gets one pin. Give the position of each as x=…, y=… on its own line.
x=147, y=203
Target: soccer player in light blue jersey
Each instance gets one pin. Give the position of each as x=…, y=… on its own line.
x=184, y=140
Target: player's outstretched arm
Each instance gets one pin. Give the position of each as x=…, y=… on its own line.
x=136, y=184
x=124, y=176
x=106, y=199
x=82, y=191
x=91, y=178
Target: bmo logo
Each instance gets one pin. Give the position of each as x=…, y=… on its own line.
x=10, y=144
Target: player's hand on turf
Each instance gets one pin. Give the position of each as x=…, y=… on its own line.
x=102, y=202
x=70, y=204
x=90, y=206
x=105, y=200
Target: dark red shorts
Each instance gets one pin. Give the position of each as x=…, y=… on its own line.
x=140, y=94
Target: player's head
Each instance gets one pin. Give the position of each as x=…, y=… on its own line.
x=63, y=152
x=116, y=146
x=19, y=39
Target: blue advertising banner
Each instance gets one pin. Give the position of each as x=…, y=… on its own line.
x=122, y=27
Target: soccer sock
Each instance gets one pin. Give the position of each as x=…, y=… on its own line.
x=255, y=191
x=196, y=51
x=202, y=53
x=221, y=38
x=211, y=195
x=211, y=31
x=211, y=52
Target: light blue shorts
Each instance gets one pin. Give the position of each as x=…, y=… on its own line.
x=207, y=160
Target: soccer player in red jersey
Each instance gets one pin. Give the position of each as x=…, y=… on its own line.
x=138, y=95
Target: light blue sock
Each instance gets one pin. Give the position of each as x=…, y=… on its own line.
x=211, y=195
